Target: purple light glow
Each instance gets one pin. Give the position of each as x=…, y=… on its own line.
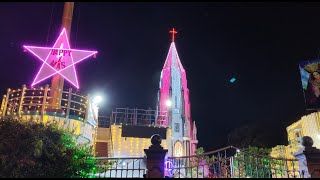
x=60, y=59
x=168, y=167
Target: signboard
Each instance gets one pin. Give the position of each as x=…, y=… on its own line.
x=59, y=59
x=310, y=78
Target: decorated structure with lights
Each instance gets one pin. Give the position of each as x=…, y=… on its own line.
x=308, y=125
x=53, y=103
x=174, y=89
x=129, y=130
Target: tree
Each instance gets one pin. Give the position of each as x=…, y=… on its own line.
x=258, y=134
x=30, y=149
x=256, y=163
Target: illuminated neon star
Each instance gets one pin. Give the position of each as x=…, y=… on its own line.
x=59, y=59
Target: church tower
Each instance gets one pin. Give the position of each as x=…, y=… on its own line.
x=173, y=98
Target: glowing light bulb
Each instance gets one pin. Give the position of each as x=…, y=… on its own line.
x=168, y=103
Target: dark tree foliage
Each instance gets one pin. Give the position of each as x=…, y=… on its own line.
x=257, y=134
x=29, y=149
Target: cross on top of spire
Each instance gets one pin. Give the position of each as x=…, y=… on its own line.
x=173, y=32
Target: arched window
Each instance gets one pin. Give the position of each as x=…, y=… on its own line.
x=178, y=149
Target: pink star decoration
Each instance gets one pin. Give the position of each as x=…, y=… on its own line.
x=59, y=59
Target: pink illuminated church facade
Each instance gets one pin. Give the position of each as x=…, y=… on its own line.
x=173, y=89
x=130, y=129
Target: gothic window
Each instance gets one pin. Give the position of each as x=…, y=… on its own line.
x=178, y=149
x=176, y=127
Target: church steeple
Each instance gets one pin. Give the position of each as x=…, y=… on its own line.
x=173, y=87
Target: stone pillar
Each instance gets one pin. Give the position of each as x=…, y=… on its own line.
x=308, y=159
x=155, y=158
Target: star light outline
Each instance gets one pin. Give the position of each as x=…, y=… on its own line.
x=93, y=53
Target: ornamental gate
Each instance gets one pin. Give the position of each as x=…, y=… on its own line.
x=228, y=162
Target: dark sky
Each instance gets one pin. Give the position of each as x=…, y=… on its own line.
x=260, y=44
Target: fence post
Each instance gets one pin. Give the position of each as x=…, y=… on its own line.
x=308, y=159
x=155, y=158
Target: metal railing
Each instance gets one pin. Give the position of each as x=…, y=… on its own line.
x=29, y=101
x=104, y=121
x=129, y=167
x=248, y=165
x=231, y=162
x=211, y=164
x=134, y=116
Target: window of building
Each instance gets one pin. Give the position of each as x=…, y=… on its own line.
x=176, y=127
x=178, y=149
x=175, y=101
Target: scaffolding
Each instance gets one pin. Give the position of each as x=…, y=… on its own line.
x=137, y=117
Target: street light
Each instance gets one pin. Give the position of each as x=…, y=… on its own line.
x=168, y=103
x=97, y=100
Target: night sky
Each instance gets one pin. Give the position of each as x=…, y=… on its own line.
x=259, y=44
